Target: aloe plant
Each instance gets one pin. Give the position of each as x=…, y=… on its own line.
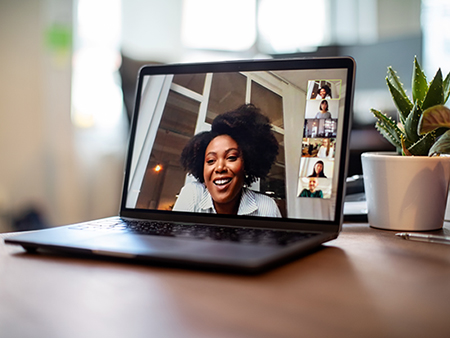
x=423, y=126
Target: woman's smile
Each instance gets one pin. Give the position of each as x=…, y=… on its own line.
x=222, y=182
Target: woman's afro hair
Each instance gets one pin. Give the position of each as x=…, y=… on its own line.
x=252, y=132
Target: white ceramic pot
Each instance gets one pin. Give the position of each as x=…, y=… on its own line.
x=406, y=193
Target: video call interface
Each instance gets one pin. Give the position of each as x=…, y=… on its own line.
x=185, y=160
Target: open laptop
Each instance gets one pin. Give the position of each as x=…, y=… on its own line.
x=308, y=103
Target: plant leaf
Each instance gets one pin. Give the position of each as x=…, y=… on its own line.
x=422, y=147
x=401, y=101
x=446, y=87
x=388, y=136
x=412, y=122
x=405, y=150
x=433, y=118
x=435, y=94
x=442, y=145
x=440, y=131
x=388, y=128
x=394, y=80
x=419, y=83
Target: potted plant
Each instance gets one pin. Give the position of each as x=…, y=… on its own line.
x=407, y=189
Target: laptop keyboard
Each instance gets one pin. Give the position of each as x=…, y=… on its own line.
x=201, y=232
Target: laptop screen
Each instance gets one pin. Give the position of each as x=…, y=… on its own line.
x=259, y=139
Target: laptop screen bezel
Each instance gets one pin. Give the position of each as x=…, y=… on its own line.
x=237, y=66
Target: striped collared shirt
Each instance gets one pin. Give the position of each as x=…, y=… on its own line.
x=194, y=197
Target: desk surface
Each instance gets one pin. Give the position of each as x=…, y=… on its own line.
x=366, y=283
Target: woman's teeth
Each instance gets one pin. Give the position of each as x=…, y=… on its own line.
x=222, y=181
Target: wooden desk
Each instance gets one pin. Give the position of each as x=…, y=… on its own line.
x=367, y=283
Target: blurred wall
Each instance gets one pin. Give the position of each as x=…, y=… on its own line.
x=43, y=164
x=23, y=116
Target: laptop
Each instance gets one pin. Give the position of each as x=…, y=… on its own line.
x=205, y=188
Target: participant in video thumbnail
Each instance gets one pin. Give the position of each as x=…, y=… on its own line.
x=324, y=93
x=326, y=149
x=312, y=192
x=323, y=113
x=318, y=170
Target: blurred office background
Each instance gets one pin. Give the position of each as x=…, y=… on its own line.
x=68, y=67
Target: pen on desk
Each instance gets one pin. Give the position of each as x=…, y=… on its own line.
x=425, y=238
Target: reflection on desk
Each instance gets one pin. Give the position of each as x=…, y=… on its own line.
x=366, y=283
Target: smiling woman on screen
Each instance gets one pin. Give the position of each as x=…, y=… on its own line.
x=225, y=161
x=318, y=170
x=323, y=113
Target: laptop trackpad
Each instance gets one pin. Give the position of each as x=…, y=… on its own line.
x=132, y=245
